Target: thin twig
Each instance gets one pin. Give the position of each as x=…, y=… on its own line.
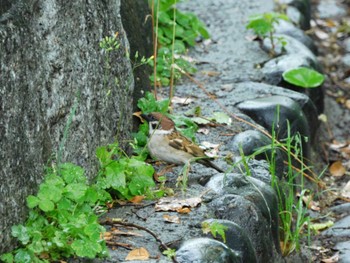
x=112, y=222
x=118, y=244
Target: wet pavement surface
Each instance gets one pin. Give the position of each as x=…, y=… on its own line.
x=228, y=58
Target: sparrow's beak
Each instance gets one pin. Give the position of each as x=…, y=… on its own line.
x=145, y=117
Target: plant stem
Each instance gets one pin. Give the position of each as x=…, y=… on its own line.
x=171, y=92
x=155, y=46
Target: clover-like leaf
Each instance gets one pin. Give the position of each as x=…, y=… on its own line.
x=46, y=205
x=21, y=232
x=32, y=201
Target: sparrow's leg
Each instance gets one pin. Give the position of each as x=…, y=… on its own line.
x=184, y=178
x=162, y=172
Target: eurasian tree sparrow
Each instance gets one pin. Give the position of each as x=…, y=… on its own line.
x=165, y=143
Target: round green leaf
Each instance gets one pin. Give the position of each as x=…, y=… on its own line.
x=50, y=192
x=46, y=205
x=303, y=77
x=21, y=232
x=32, y=201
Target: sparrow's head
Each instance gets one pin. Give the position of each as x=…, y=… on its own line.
x=159, y=122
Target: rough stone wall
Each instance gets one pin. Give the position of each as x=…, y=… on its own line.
x=51, y=62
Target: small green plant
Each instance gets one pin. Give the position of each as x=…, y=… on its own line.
x=149, y=104
x=62, y=220
x=215, y=228
x=174, y=31
x=292, y=212
x=125, y=176
x=293, y=216
x=109, y=44
x=139, y=62
x=304, y=77
x=263, y=26
x=169, y=253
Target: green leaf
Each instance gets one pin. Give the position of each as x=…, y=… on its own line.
x=304, y=77
x=91, y=195
x=7, y=258
x=94, y=231
x=215, y=228
x=53, y=179
x=139, y=184
x=141, y=138
x=170, y=253
x=203, y=31
x=179, y=47
x=186, y=126
x=139, y=167
x=164, y=19
x=200, y=120
x=65, y=204
x=21, y=232
x=60, y=239
x=149, y=104
x=72, y=173
x=222, y=118
x=115, y=175
x=106, y=153
x=32, y=201
x=46, y=205
x=75, y=191
x=260, y=25
x=49, y=192
x=23, y=256
x=86, y=248
x=37, y=246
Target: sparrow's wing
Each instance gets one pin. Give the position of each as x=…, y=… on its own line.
x=179, y=142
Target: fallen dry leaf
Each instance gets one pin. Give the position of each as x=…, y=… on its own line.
x=311, y=204
x=347, y=104
x=138, y=254
x=171, y=219
x=321, y=226
x=203, y=131
x=211, y=73
x=337, y=169
x=137, y=199
x=321, y=34
x=184, y=210
x=214, y=149
x=107, y=236
x=332, y=259
x=183, y=101
x=173, y=204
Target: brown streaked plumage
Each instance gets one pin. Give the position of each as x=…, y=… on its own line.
x=167, y=144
